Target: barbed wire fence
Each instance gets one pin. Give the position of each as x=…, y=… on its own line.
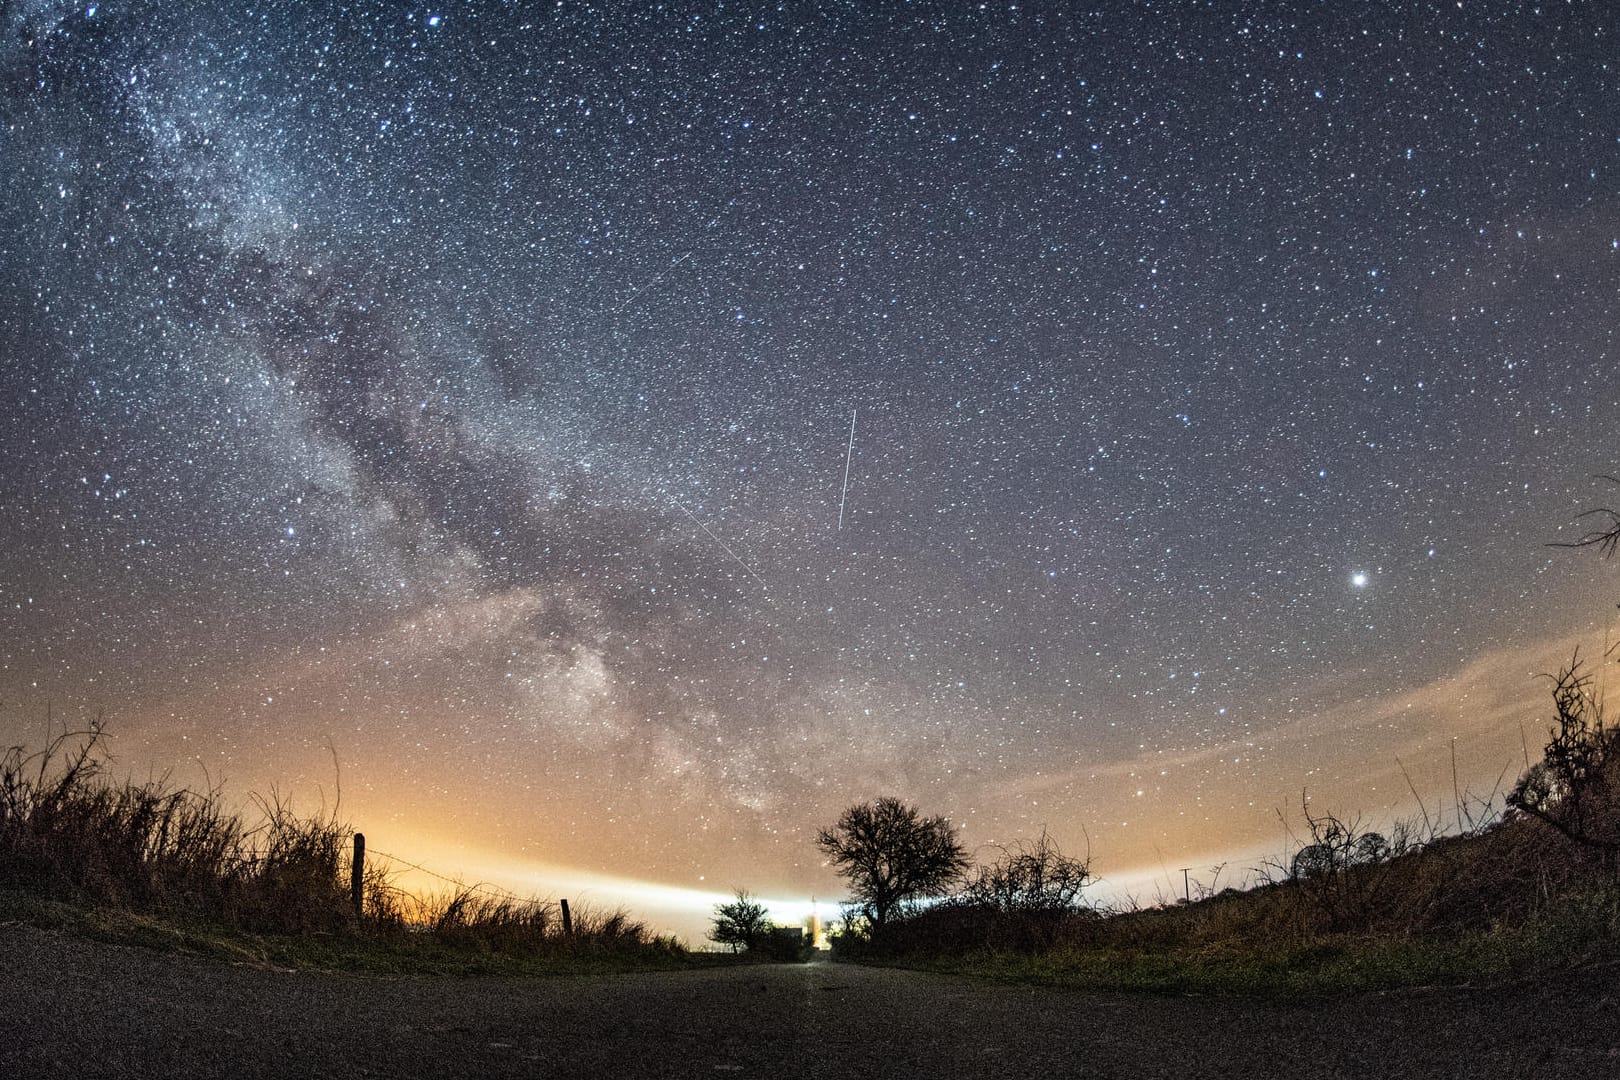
x=460, y=885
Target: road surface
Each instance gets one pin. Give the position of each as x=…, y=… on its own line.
x=71, y=1007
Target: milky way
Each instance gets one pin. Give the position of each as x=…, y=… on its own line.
x=467, y=389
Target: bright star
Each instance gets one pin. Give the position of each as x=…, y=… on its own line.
x=1358, y=579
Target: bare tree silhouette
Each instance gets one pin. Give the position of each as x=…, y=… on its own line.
x=892, y=856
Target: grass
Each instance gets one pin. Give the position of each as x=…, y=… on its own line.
x=153, y=864
x=158, y=865
x=1512, y=899
x=1581, y=932
x=410, y=953
x=1524, y=890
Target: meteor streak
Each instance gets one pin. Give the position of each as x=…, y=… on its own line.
x=655, y=280
x=723, y=545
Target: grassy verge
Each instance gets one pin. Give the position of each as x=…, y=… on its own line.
x=388, y=953
x=156, y=865
x=1581, y=930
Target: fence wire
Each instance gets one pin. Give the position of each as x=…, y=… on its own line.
x=479, y=887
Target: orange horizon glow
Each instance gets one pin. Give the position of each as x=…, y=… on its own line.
x=1489, y=707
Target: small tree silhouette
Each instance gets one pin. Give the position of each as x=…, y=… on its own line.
x=740, y=923
x=892, y=856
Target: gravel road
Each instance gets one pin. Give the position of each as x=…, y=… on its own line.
x=70, y=1007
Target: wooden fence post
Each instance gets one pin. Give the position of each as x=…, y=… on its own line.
x=357, y=875
x=568, y=920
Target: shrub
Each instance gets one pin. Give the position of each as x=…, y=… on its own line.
x=741, y=923
x=1574, y=787
x=784, y=944
x=1030, y=877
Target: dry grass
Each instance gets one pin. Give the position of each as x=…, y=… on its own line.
x=69, y=832
x=71, y=836
x=1515, y=898
x=1509, y=896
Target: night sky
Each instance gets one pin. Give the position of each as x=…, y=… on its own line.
x=466, y=392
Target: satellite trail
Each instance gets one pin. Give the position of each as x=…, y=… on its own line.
x=849, y=453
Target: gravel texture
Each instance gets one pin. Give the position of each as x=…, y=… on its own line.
x=72, y=1007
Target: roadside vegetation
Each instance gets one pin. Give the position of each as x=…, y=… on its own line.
x=746, y=929
x=1520, y=886
x=154, y=863
x=1525, y=887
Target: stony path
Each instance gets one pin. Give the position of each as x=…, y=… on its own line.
x=70, y=1007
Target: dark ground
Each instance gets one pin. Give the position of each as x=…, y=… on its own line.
x=72, y=1007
